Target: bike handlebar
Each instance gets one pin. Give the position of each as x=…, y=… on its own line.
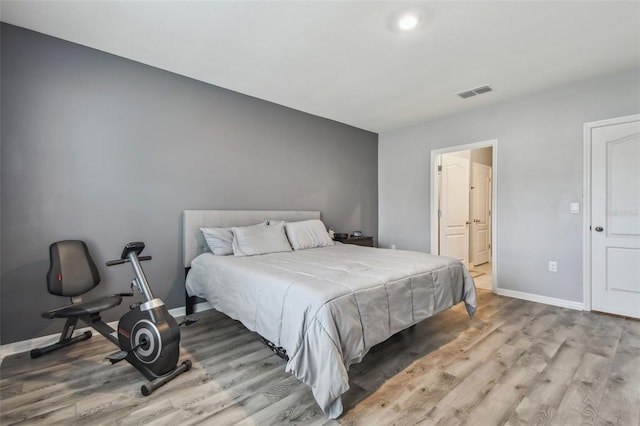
x=121, y=261
x=131, y=255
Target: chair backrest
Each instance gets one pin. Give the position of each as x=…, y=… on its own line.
x=71, y=269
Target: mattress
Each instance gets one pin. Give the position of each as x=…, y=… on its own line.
x=327, y=307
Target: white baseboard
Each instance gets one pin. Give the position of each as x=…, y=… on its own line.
x=541, y=299
x=37, y=342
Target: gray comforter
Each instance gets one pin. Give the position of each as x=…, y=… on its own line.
x=328, y=306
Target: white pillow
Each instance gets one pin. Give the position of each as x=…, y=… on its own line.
x=259, y=239
x=308, y=234
x=219, y=240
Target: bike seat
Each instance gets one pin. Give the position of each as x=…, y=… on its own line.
x=84, y=308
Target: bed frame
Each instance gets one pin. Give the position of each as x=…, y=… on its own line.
x=193, y=242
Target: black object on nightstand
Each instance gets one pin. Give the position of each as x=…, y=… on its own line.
x=359, y=241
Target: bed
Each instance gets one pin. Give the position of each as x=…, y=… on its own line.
x=325, y=307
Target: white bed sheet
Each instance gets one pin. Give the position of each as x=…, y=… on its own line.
x=328, y=306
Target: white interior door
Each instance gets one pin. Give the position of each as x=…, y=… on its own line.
x=454, y=205
x=481, y=218
x=615, y=218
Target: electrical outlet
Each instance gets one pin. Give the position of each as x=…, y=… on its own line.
x=393, y=246
x=553, y=266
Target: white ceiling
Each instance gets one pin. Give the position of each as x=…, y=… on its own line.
x=344, y=60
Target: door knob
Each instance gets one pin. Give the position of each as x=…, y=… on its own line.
x=599, y=229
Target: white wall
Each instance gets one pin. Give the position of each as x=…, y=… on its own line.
x=539, y=169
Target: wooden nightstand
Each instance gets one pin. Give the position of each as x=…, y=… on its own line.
x=359, y=241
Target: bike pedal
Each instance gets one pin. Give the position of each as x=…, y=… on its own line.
x=117, y=356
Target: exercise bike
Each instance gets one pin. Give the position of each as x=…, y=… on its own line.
x=148, y=336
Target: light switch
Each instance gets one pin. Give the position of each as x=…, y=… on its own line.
x=574, y=208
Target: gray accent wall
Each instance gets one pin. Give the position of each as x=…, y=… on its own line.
x=104, y=149
x=540, y=171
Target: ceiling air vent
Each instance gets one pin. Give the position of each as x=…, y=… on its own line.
x=476, y=91
x=482, y=89
x=467, y=94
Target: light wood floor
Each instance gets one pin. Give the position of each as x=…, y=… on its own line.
x=515, y=363
x=484, y=281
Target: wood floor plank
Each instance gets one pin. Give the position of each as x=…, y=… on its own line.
x=398, y=400
x=476, y=353
x=501, y=401
x=584, y=395
x=470, y=392
x=631, y=333
x=529, y=412
x=55, y=416
x=618, y=409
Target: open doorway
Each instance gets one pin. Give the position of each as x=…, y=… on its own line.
x=463, y=208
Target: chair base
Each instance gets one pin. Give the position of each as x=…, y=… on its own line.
x=66, y=339
x=35, y=353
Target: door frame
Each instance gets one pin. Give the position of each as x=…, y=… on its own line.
x=586, y=196
x=493, y=143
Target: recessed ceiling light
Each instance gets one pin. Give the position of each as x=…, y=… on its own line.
x=408, y=21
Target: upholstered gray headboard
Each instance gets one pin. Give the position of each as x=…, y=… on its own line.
x=193, y=242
